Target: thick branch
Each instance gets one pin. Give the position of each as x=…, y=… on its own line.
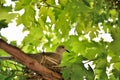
x=29, y=62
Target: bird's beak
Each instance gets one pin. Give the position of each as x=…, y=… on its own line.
x=67, y=51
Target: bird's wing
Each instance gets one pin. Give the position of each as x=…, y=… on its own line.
x=47, y=56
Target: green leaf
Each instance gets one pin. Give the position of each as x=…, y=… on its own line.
x=18, y=6
x=34, y=38
x=2, y=2
x=11, y=75
x=50, y=2
x=91, y=53
x=101, y=75
x=86, y=2
x=119, y=19
x=78, y=46
x=43, y=13
x=116, y=73
x=14, y=43
x=117, y=66
x=50, y=13
x=112, y=77
x=62, y=27
x=100, y=68
x=3, y=53
x=28, y=18
x=114, y=46
x=21, y=4
x=115, y=59
x=94, y=49
x=90, y=73
x=77, y=71
x=73, y=72
x=63, y=2
x=2, y=77
x=5, y=15
x=3, y=23
x=25, y=2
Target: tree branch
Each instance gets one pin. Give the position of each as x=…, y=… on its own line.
x=29, y=62
x=7, y=58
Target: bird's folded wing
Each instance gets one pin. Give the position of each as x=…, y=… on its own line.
x=44, y=58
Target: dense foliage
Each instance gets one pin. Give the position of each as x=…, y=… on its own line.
x=83, y=26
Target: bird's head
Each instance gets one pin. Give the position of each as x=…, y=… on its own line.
x=61, y=49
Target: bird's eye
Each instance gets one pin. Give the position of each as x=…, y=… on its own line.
x=63, y=47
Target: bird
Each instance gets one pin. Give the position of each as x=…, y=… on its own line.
x=50, y=59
